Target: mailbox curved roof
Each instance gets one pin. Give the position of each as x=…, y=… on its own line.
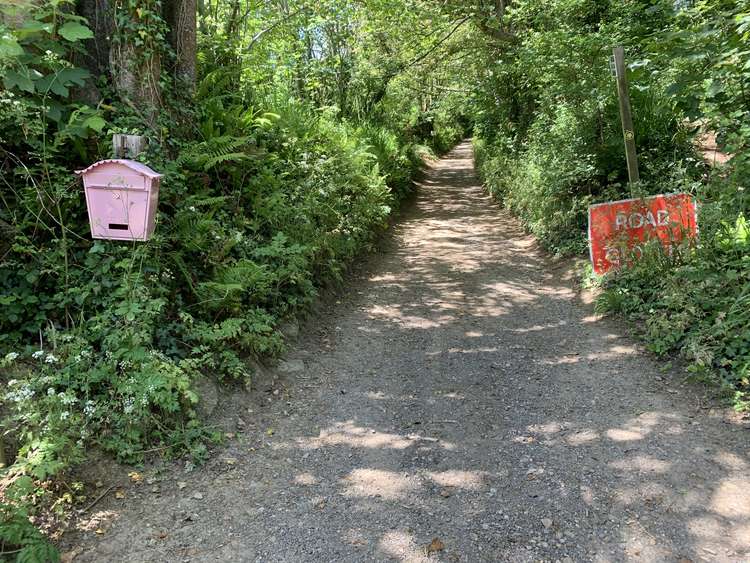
x=135, y=166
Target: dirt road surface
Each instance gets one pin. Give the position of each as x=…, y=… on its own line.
x=459, y=403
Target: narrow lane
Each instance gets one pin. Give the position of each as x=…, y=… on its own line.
x=459, y=404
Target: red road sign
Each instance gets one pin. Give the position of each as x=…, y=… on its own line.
x=617, y=229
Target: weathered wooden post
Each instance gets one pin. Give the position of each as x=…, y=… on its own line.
x=128, y=146
x=626, y=114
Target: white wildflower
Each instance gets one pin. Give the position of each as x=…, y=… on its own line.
x=68, y=399
x=51, y=392
x=38, y=355
x=89, y=409
x=23, y=394
x=10, y=357
x=51, y=359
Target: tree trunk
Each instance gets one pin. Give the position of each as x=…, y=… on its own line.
x=135, y=63
x=180, y=16
x=136, y=78
x=101, y=21
x=95, y=55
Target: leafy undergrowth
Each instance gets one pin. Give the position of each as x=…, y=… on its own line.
x=695, y=303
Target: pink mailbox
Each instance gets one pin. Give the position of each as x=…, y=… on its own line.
x=121, y=196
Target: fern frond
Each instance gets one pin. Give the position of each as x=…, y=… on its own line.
x=215, y=151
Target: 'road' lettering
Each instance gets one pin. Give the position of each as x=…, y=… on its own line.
x=638, y=220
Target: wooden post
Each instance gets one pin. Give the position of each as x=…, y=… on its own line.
x=626, y=114
x=128, y=146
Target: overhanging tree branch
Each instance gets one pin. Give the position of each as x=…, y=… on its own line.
x=273, y=26
x=434, y=46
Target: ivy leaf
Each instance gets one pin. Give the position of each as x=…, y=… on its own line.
x=73, y=31
x=13, y=79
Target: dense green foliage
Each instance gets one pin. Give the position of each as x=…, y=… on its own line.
x=549, y=143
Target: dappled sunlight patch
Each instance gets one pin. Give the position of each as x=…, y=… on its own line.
x=400, y=545
x=379, y=483
x=613, y=353
x=385, y=278
x=642, y=464
x=517, y=292
x=394, y=314
x=641, y=426
x=587, y=495
x=471, y=480
x=348, y=434
x=730, y=461
x=731, y=498
x=582, y=437
x=625, y=435
x=450, y=446
x=99, y=521
x=638, y=544
x=453, y=395
x=564, y=360
x=647, y=494
x=706, y=527
x=306, y=479
x=539, y=328
x=741, y=536
x=548, y=428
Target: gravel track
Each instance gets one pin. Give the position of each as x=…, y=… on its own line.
x=458, y=403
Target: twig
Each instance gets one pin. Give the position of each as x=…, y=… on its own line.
x=100, y=497
x=444, y=421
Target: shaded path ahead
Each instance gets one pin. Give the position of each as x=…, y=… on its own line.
x=458, y=391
